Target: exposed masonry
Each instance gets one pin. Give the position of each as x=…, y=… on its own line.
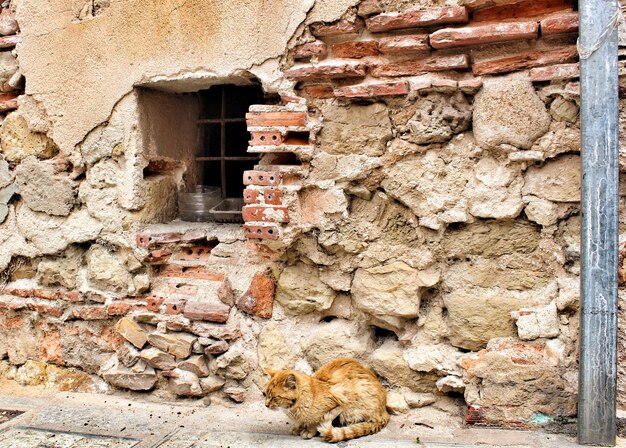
x=416, y=206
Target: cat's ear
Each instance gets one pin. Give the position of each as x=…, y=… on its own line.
x=270, y=372
x=290, y=381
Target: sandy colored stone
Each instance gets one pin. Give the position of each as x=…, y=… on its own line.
x=508, y=111
x=185, y=384
x=125, y=378
x=196, y=364
x=273, y=349
x=231, y=365
x=18, y=142
x=61, y=270
x=300, y=290
x=391, y=290
x=32, y=373
x=419, y=400
x=441, y=359
x=127, y=354
x=562, y=109
x=388, y=362
x=51, y=234
x=211, y=383
x=451, y=383
x=158, y=359
x=495, y=190
x=539, y=322
x=474, y=319
x=42, y=189
x=177, y=344
x=396, y=404
x=357, y=129
x=6, y=177
x=131, y=331
x=336, y=339
x=6, y=193
x=558, y=180
x=106, y=270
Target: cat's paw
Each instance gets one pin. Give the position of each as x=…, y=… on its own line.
x=326, y=430
x=296, y=430
x=308, y=433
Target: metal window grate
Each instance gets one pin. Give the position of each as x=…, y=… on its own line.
x=224, y=137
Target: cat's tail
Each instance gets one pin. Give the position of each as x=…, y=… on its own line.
x=331, y=434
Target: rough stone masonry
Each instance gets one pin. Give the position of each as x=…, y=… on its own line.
x=427, y=225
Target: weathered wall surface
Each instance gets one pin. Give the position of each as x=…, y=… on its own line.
x=430, y=228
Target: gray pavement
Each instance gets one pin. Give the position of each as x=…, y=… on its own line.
x=69, y=420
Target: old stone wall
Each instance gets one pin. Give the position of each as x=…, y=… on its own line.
x=416, y=205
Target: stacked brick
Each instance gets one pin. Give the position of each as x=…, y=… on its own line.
x=387, y=54
x=281, y=134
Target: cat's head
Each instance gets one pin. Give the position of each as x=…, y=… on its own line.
x=282, y=389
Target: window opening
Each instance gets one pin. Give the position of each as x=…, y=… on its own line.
x=224, y=136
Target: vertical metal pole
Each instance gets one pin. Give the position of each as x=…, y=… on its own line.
x=599, y=234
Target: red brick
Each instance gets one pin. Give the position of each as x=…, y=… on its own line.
x=267, y=232
x=258, y=300
x=10, y=41
x=237, y=394
x=266, y=138
x=18, y=292
x=265, y=214
x=48, y=294
x=8, y=101
x=373, y=89
x=554, y=72
x=318, y=91
x=198, y=272
x=404, y=44
x=566, y=23
x=91, y=313
x=212, y=312
x=251, y=196
x=474, y=416
x=174, y=306
x=158, y=255
x=183, y=289
x=153, y=303
x=263, y=178
x=273, y=196
x=528, y=8
x=163, y=165
x=340, y=28
x=216, y=348
x=316, y=49
x=199, y=251
x=72, y=296
x=119, y=309
x=327, y=71
x=149, y=240
x=355, y=49
x=525, y=60
x=417, y=67
x=484, y=34
x=417, y=18
x=53, y=310
x=50, y=349
x=276, y=119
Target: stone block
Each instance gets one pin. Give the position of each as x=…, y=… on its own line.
x=125, y=378
x=558, y=180
x=8, y=23
x=483, y=34
x=508, y=111
x=216, y=348
x=184, y=383
x=300, y=290
x=158, y=359
x=211, y=383
x=196, y=364
x=355, y=49
x=209, y=311
x=237, y=394
x=418, y=18
x=17, y=141
x=540, y=322
x=231, y=365
x=107, y=271
x=61, y=270
x=421, y=66
x=177, y=344
x=274, y=350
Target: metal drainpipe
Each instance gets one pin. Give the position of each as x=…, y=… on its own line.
x=599, y=233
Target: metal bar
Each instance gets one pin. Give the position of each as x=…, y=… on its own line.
x=599, y=233
x=228, y=158
x=223, y=143
x=220, y=120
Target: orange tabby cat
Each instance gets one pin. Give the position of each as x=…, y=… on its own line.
x=342, y=388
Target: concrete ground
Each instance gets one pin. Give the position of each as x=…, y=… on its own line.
x=53, y=419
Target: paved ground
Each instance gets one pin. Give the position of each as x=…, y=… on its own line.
x=67, y=420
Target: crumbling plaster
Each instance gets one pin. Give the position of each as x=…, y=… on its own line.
x=78, y=70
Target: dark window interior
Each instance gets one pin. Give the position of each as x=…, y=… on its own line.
x=223, y=157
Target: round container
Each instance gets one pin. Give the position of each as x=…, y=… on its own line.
x=196, y=206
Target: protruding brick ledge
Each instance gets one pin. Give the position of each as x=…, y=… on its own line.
x=566, y=23
x=340, y=28
x=329, y=70
x=355, y=49
x=555, y=72
x=525, y=60
x=373, y=89
x=517, y=8
x=404, y=44
x=418, y=67
x=417, y=19
x=311, y=49
x=484, y=34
